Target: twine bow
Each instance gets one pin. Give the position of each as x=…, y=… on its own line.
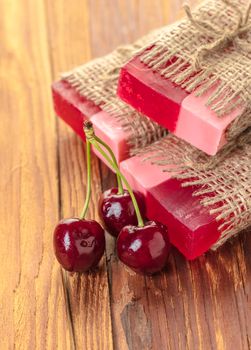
x=222, y=40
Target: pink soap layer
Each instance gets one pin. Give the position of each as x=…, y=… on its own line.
x=200, y=126
x=71, y=106
x=144, y=90
x=109, y=129
x=183, y=114
x=192, y=229
x=142, y=175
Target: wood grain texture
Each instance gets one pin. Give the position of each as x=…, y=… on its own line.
x=89, y=300
x=32, y=306
x=204, y=304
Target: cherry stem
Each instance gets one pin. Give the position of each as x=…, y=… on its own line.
x=119, y=181
x=88, y=191
x=92, y=138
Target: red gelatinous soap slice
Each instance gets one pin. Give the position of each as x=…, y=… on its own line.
x=74, y=109
x=71, y=106
x=192, y=228
x=143, y=89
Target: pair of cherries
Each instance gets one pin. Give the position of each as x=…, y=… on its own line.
x=79, y=244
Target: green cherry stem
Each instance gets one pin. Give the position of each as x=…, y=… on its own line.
x=91, y=137
x=120, y=186
x=88, y=191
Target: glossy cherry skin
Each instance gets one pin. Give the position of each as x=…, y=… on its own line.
x=117, y=210
x=79, y=244
x=144, y=249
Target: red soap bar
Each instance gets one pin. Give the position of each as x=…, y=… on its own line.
x=192, y=229
x=71, y=106
x=143, y=89
x=187, y=116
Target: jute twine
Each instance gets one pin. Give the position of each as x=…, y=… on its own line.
x=211, y=48
x=224, y=180
x=97, y=81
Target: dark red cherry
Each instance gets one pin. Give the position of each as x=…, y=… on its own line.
x=144, y=249
x=79, y=244
x=117, y=210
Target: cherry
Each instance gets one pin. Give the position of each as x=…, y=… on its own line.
x=79, y=244
x=117, y=209
x=144, y=249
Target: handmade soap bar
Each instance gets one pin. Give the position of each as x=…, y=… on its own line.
x=191, y=228
x=74, y=108
x=186, y=116
x=71, y=106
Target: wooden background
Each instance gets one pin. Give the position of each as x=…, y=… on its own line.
x=204, y=304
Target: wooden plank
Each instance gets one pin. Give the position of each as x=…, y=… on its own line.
x=204, y=304
x=32, y=307
x=89, y=293
x=198, y=305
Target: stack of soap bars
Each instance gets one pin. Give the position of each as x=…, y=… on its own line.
x=202, y=199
